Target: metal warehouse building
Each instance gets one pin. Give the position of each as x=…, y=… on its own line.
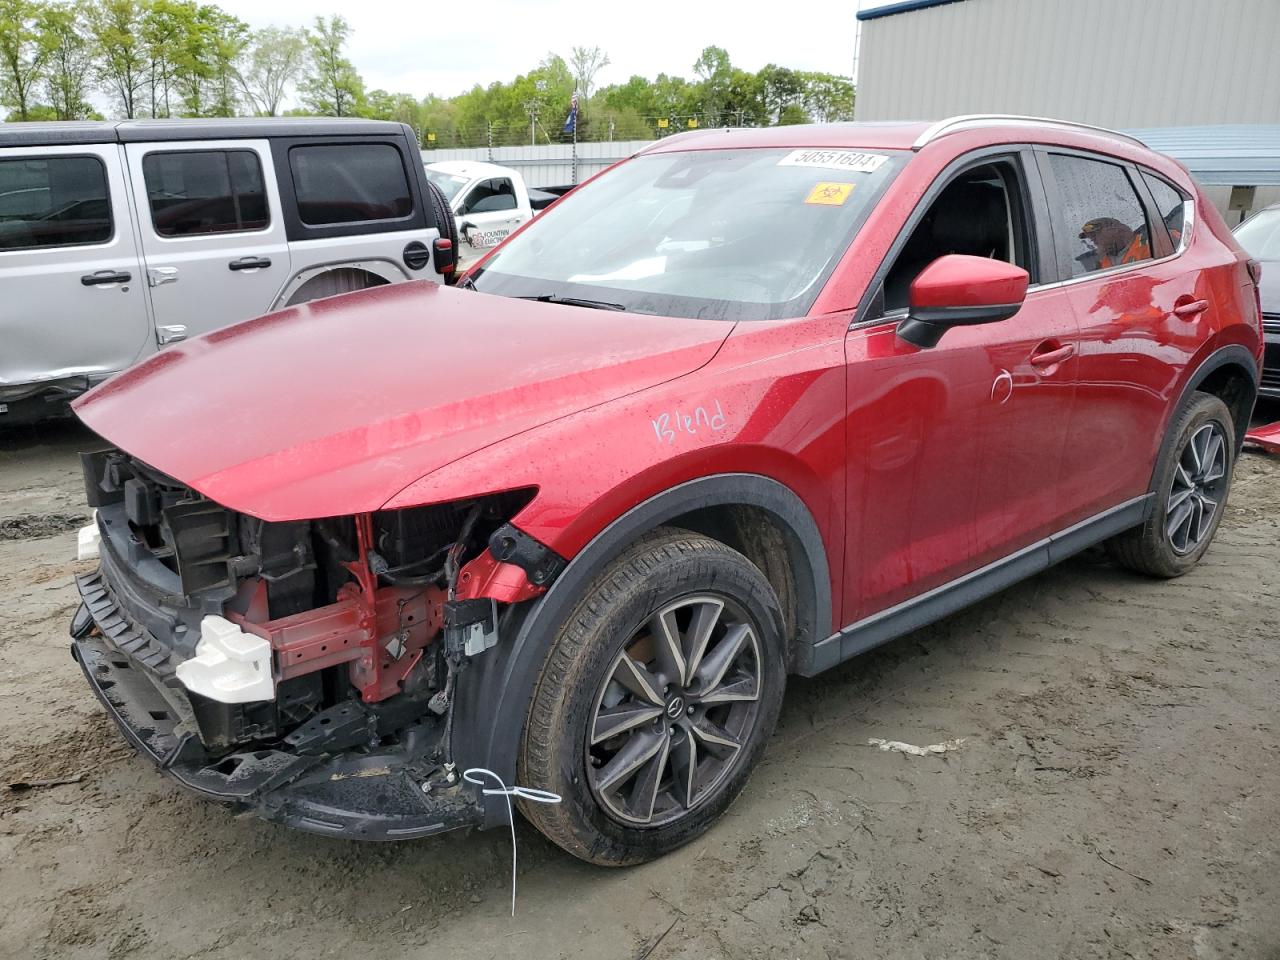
x=1207, y=65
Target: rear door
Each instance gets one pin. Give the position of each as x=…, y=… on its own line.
x=73, y=304
x=212, y=237
x=1143, y=311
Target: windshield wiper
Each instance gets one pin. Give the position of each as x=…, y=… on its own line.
x=575, y=302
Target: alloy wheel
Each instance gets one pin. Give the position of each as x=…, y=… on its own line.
x=674, y=712
x=1199, y=487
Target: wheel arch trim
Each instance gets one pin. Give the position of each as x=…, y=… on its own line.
x=495, y=690
x=1233, y=355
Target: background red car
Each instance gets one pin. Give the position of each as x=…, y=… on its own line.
x=745, y=405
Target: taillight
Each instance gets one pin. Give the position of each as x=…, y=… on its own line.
x=446, y=260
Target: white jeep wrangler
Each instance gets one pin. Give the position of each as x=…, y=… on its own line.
x=119, y=237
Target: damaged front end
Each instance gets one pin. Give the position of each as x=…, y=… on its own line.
x=301, y=670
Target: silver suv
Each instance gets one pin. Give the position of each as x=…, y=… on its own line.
x=117, y=238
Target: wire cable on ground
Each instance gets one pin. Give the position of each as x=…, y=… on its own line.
x=527, y=793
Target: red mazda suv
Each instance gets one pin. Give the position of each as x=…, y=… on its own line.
x=742, y=406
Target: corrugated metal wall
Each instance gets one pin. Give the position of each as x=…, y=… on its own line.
x=1116, y=63
x=551, y=164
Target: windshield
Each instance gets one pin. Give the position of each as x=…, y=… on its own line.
x=1260, y=235
x=728, y=234
x=448, y=183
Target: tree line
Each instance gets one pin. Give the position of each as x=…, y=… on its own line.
x=181, y=58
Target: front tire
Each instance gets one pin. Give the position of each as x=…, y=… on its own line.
x=656, y=700
x=1193, y=479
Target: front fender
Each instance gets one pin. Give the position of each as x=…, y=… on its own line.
x=494, y=691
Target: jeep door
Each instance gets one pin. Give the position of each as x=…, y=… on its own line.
x=212, y=237
x=955, y=451
x=73, y=308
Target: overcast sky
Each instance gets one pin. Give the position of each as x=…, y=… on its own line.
x=446, y=48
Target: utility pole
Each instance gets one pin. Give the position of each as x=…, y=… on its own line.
x=531, y=108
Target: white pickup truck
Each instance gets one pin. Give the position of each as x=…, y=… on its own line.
x=489, y=202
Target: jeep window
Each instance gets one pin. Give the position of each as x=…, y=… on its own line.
x=490, y=196
x=746, y=234
x=350, y=183
x=448, y=183
x=1171, y=204
x=53, y=202
x=192, y=193
x=1101, y=222
x=980, y=212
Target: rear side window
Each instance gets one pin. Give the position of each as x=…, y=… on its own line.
x=1101, y=221
x=490, y=196
x=205, y=191
x=1171, y=204
x=53, y=202
x=349, y=183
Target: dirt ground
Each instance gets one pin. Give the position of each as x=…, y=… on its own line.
x=1117, y=794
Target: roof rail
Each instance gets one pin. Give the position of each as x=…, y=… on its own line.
x=954, y=124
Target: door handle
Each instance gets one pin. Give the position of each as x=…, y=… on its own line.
x=159, y=276
x=171, y=334
x=250, y=263
x=102, y=277
x=1050, y=357
x=1191, y=307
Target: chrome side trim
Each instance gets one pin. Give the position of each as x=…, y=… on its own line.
x=917, y=612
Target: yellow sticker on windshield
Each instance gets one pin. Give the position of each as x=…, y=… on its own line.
x=830, y=194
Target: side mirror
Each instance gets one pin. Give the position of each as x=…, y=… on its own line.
x=959, y=290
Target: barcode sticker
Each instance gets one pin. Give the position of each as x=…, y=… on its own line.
x=847, y=160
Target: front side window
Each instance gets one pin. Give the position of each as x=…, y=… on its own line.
x=53, y=202
x=490, y=196
x=980, y=212
x=746, y=234
x=192, y=193
x=1100, y=221
x=349, y=183
x=1171, y=204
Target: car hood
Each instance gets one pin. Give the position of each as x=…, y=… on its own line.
x=333, y=407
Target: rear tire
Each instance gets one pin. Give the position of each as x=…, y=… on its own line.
x=656, y=700
x=1193, y=479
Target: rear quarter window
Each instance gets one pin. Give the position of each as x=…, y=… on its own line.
x=1172, y=204
x=53, y=202
x=349, y=183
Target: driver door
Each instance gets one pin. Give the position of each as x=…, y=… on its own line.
x=955, y=451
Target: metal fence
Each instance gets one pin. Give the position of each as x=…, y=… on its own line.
x=550, y=164
x=594, y=128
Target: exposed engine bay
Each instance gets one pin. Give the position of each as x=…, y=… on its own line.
x=271, y=643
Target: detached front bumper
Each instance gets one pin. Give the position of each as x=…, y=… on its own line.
x=371, y=795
